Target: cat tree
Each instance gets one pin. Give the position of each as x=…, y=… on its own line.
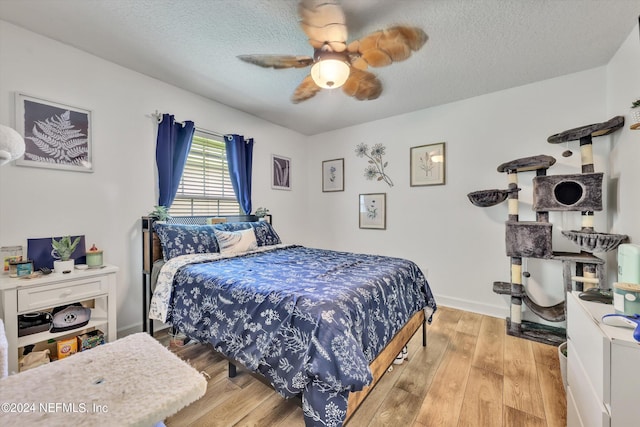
x=532, y=239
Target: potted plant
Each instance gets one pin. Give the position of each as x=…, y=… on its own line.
x=635, y=114
x=64, y=248
x=160, y=213
x=261, y=213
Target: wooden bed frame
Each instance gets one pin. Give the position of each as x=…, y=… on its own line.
x=379, y=366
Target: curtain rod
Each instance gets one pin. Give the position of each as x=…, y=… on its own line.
x=158, y=118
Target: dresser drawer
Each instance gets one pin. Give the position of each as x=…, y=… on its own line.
x=592, y=349
x=625, y=384
x=583, y=396
x=573, y=414
x=39, y=297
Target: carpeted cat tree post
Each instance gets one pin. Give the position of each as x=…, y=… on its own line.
x=525, y=239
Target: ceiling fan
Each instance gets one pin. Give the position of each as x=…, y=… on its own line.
x=338, y=64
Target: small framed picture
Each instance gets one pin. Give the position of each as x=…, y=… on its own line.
x=427, y=164
x=333, y=175
x=280, y=172
x=373, y=211
x=56, y=136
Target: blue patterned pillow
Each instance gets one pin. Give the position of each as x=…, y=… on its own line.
x=181, y=239
x=265, y=234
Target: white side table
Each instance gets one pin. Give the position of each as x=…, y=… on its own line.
x=20, y=295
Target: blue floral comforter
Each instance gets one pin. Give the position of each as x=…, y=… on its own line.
x=309, y=320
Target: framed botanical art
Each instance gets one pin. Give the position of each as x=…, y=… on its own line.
x=56, y=136
x=280, y=172
x=427, y=164
x=373, y=211
x=333, y=175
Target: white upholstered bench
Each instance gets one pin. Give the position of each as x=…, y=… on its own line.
x=133, y=381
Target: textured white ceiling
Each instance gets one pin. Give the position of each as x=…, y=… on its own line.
x=475, y=47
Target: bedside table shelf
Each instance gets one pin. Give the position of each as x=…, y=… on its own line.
x=95, y=322
x=19, y=296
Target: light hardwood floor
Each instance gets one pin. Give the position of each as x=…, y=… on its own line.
x=470, y=374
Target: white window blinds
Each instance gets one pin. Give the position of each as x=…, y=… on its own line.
x=205, y=188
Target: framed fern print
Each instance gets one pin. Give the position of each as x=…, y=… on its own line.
x=56, y=136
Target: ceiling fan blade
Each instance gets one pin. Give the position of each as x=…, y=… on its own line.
x=278, y=61
x=323, y=22
x=362, y=85
x=385, y=47
x=307, y=89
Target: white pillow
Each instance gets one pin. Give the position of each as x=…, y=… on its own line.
x=236, y=241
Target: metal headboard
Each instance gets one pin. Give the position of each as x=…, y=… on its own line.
x=202, y=220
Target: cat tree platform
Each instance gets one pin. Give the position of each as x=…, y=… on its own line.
x=588, y=131
x=133, y=381
x=590, y=241
x=538, y=332
x=554, y=313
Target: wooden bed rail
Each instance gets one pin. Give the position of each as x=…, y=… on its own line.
x=381, y=364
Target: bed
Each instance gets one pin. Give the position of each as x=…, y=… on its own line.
x=320, y=324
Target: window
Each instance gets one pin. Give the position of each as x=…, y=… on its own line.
x=205, y=188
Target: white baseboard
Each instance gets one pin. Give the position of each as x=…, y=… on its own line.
x=474, y=307
x=132, y=329
x=137, y=327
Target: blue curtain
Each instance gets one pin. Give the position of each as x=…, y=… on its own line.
x=172, y=147
x=240, y=159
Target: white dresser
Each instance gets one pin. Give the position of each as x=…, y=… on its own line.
x=603, y=368
x=19, y=296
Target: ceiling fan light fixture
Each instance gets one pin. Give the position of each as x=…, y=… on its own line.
x=330, y=71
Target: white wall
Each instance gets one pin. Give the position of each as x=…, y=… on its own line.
x=106, y=205
x=461, y=246
x=623, y=87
